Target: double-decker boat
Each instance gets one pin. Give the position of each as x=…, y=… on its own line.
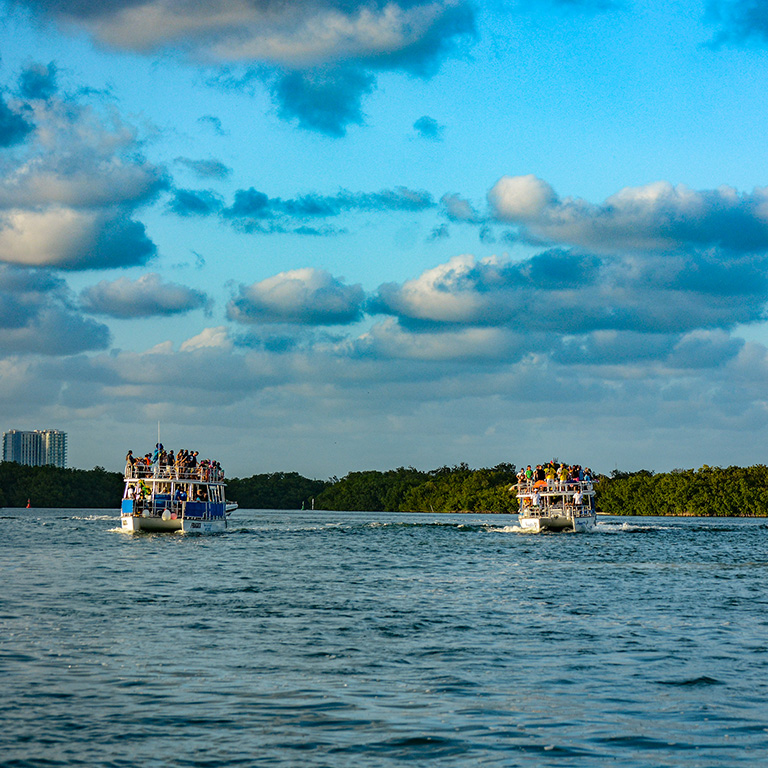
x=166, y=497
x=556, y=506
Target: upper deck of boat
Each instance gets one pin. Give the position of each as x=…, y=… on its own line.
x=164, y=474
x=554, y=488
x=149, y=471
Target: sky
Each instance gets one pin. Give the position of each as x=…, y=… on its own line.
x=334, y=236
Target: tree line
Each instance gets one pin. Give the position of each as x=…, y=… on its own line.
x=50, y=486
x=445, y=489
x=707, y=492
x=278, y=490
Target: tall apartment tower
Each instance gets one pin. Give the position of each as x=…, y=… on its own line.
x=54, y=447
x=47, y=446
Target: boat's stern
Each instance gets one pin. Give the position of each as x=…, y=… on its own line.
x=532, y=524
x=192, y=525
x=129, y=523
x=584, y=523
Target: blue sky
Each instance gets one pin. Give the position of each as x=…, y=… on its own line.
x=331, y=236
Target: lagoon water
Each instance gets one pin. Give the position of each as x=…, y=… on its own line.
x=372, y=639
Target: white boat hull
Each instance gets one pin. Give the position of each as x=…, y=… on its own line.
x=204, y=526
x=136, y=524
x=584, y=524
x=537, y=524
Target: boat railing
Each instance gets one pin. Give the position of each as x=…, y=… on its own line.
x=536, y=501
x=176, y=507
x=554, y=487
x=201, y=473
x=560, y=504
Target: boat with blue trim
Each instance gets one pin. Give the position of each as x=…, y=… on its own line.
x=163, y=493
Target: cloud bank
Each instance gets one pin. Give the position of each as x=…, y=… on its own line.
x=302, y=296
x=72, y=180
x=148, y=296
x=39, y=317
x=254, y=211
x=655, y=217
x=322, y=54
x=569, y=292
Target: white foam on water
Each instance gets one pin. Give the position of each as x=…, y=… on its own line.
x=509, y=529
x=627, y=527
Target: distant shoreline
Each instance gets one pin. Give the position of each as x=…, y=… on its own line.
x=709, y=492
x=116, y=511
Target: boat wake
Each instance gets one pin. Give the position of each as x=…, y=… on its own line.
x=627, y=527
x=509, y=529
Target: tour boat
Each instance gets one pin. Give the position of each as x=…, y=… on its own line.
x=556, y=506
x=160, y=497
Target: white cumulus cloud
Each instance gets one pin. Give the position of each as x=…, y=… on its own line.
x=653, y=217
x=521, y=198
x=148, y=296
x=303, y=296
x=69, y=190
x=209, y=338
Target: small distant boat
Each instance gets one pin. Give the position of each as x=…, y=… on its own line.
x=159, y=497
x=555, y=506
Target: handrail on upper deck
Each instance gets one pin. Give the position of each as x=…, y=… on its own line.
x=556, y=487
x=167, y=472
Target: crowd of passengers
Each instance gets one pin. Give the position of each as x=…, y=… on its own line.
x=556, y=475
x=142, y=492
x=183, y=464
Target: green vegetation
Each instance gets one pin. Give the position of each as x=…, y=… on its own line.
x=279, y=490
x=51, y=486
x=708, y=492
x=448, y=489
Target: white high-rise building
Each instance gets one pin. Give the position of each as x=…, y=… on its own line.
x=47, y=446
x=54, y=447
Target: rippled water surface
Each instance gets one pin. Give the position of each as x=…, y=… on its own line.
x=373, y=639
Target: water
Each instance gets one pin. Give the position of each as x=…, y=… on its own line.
x=371, y=639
